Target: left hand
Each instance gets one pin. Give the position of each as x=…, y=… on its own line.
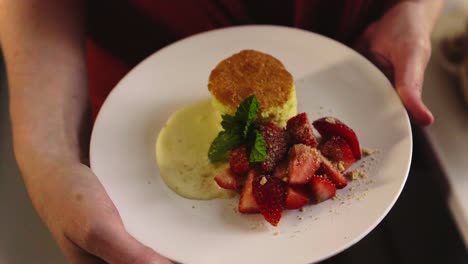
x=399, y=44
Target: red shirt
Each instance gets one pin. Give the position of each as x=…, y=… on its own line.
x=121, y=33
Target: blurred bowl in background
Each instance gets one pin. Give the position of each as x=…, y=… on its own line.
x=450, y=44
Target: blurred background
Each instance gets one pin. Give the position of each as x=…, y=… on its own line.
x=429, y=222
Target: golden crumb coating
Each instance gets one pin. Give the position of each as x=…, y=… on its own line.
x=251, y=72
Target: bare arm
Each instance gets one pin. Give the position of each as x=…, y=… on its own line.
x=43, y=45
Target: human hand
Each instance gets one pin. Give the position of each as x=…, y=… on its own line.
x=399, y=44
x=82, y=218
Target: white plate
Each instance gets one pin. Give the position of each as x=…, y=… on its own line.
x=331, y=79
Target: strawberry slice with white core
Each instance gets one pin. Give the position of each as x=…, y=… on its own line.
x=322, y=189
x=333, y=173
x=276, y=140
x=330, y=126
x=303, y=163
x=227, y=180
x=269, y=192
x=239, y=160
x=296, y=198
x=337, y=150
x=247, y=203
x=300, y=130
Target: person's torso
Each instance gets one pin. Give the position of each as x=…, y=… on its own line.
x=133, y=29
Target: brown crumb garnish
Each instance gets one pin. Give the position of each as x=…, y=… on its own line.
x=330, y=120
x=276, y=233
x=355, y=174
x=285, y=179
x=367, y=151
x=340, y=165
x=263, y=180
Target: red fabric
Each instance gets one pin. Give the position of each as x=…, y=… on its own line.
x=123, y=32
x=104, y=72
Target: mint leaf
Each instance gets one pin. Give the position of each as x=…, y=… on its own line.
x=238, y=129
x=258, y=152
x=247, y=112
x=229, y=122
x=222, y=144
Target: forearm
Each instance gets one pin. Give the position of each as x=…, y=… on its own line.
x=43, y=48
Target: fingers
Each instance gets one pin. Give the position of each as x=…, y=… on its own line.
x=363, y=46
x=115, y=245
x=409, y=70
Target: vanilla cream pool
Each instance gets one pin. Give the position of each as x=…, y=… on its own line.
x=182, y=152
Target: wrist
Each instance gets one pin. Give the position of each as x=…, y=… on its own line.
x=39, y=159
x=49, y=142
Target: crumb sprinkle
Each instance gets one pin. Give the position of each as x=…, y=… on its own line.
x=340, y=165
x=367, y=151
x=330, y=120
x=263, y=180
x=356, y=174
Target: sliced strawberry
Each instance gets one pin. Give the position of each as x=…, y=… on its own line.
x=277, y=145
x=227, y=180
x=303, y=162
x=282, y=170
x=337, y=150
x=330, y=126
x=247, y=203
x=322, y=189
x=269, y=192
x=332, y=172
x=300, y=130
x=296, y=198
x=239, y=160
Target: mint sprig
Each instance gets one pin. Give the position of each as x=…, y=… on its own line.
x=258, y=152
x=222, y=144
x=247, y=112
x=237, y=129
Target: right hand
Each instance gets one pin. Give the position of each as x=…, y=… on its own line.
x=82, y=218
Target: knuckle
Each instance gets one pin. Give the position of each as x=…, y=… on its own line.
x=424, y=45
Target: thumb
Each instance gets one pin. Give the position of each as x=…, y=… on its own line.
x=116, y=245
x=409, y=76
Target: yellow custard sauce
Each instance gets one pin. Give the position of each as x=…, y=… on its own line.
x=182, y=152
